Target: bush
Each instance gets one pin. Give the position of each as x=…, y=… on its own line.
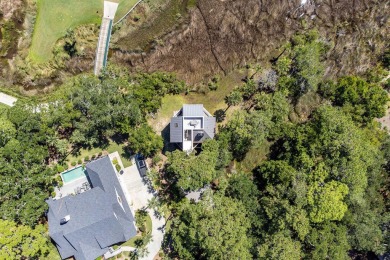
x=114, y=161
x=73, y=163
x=93, y=157
x=100, y=153
x=156, y=159
x=66, y=166
x=53, y=194
x=79, y=161
x=142, y=228
x=60, y=168
x=86, y=158
x=118, y=167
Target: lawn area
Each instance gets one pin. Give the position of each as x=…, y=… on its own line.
x=148, y=229
x=113, y=147
x=55, y=17
x=123, y=7
x=212, y=101
x=254, y=157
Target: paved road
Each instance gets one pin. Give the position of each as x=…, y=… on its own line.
x=140, y=195
x=7, y=99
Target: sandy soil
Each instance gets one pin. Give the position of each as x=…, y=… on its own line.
x=385, y=121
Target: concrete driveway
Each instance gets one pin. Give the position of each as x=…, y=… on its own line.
x=136, y=188
x=140, y=194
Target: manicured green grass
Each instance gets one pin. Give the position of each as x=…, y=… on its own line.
x=55, y=17
x=123, y=7
x=131, y=242
x=113, y=147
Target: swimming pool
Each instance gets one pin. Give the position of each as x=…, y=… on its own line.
x=73, y=174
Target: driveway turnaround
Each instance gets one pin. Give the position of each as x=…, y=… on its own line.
x=140, y=194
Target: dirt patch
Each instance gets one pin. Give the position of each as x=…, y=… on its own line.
x=385, y=121
x=9, y=7
x=223, y=35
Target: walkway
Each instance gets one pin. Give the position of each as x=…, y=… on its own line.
x=7, y=99
x=104, y=36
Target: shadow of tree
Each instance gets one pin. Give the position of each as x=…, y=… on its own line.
x=168, y=146
x=220, y=115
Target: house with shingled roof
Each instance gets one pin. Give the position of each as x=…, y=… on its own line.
x=86, y=225
x=191, y=126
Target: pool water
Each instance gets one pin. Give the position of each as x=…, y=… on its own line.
x=74, y=174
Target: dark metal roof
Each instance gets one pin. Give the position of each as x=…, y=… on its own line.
x=176, y=130
x=97, y=219
x=195, y=110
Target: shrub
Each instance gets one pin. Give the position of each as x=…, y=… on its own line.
x=60, y=168
x=115, y=161
x=79, y=161
x=66, y=166
x=100, y=153
x=86, y=158
x=142, y=228
x=73, y=163
x=93, y=157
x=156, y=159
x=118, y=167
x=53, y=194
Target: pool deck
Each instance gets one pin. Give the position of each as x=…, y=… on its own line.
x=70, y=187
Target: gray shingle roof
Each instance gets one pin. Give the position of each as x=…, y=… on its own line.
x=97, y=219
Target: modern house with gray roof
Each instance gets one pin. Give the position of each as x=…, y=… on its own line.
x=86, y=225
x=191, y=125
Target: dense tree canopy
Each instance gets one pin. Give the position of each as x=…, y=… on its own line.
x=192, y=172
x=214, y=228
x=22, y=242
x=362, y=100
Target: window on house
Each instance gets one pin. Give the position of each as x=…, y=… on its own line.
x=176, y=125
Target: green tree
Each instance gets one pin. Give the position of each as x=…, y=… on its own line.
x=7, y=130
x=192, y=172
x=233, y=99
x=326, y=198
x=362, y=100
x=18, y=242
x=242, y=188
x=328, y=241
x=214, y=228
x=143, y=140
x=326, y=201
x=280, y=246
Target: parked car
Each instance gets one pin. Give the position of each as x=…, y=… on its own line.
x=141, y=165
